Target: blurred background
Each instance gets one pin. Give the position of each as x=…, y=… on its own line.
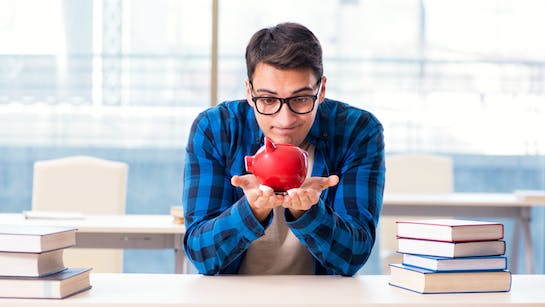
x=123, y=80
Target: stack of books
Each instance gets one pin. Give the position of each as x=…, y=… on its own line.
x=177, y=213
x=531, y=196
x=451, y=256
x=31, y=263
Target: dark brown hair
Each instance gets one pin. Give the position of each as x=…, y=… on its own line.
x=285, y=46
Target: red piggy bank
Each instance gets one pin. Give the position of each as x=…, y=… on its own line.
x=279, y=166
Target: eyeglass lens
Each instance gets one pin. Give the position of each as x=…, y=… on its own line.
x=300, y=105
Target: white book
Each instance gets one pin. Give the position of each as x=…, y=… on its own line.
x=35, y=239
x=53, y=215
x=31, y=264
x=451, y=230
x=451, y=249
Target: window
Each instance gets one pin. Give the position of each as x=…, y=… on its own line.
x=103, y=73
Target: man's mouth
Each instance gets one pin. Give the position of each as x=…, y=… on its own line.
x=284, y=131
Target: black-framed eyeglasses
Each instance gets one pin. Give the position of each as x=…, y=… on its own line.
x=302, y=104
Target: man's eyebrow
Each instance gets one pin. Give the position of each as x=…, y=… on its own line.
x=303, y=89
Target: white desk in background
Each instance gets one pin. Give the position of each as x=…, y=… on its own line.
x=158, y=290
x=129, y=231
x=484, y=205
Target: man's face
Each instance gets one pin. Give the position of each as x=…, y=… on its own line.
x=285, y=126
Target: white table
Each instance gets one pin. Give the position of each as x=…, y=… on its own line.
x=156, y=290
x=119, y=231
x=471, y=205
x=159, y=231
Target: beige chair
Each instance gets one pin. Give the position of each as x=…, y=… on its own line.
x=409, y=174
x=88, y=185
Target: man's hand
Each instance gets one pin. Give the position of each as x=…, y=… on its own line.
x=262, y=200
x=303, y=198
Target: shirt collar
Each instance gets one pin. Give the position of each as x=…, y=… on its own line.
x=318, y=134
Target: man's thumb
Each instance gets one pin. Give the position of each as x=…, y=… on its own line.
x=238, y=181
x=332, y=180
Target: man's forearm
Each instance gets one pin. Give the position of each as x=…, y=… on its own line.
x=213, y=244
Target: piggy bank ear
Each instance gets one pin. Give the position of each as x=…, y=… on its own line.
x=269, y=145
x=249, y=163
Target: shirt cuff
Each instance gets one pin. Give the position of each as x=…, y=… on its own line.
x=254, y=228
x=308, y=220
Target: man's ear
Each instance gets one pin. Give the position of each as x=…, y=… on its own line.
x=248, y=92
x=322, y=90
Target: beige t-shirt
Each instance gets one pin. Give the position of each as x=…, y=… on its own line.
x=278, y=251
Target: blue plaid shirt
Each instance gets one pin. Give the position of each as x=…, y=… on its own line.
x=339, y=230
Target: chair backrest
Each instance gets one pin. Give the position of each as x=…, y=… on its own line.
x=419, y=173
x=88, y=185
x=410, y=174
x=80, y=183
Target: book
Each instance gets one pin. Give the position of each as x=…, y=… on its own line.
x=31, y=264
x=451, y=249
x=53, y=215
x=435, y=263
x=177, y=213
x=427, y=281
x=35, y=239
x=450, y=230
x=59, y=285
x=531, y=196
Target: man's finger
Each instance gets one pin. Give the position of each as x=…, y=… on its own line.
x=266, y=189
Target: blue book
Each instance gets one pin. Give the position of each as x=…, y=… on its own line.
x=428, y=281
x=436, y=263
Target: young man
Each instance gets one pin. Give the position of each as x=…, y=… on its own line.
x=327, y=226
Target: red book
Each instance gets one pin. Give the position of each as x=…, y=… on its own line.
x=450, y=230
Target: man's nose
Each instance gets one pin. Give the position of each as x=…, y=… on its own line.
x=285, y=116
